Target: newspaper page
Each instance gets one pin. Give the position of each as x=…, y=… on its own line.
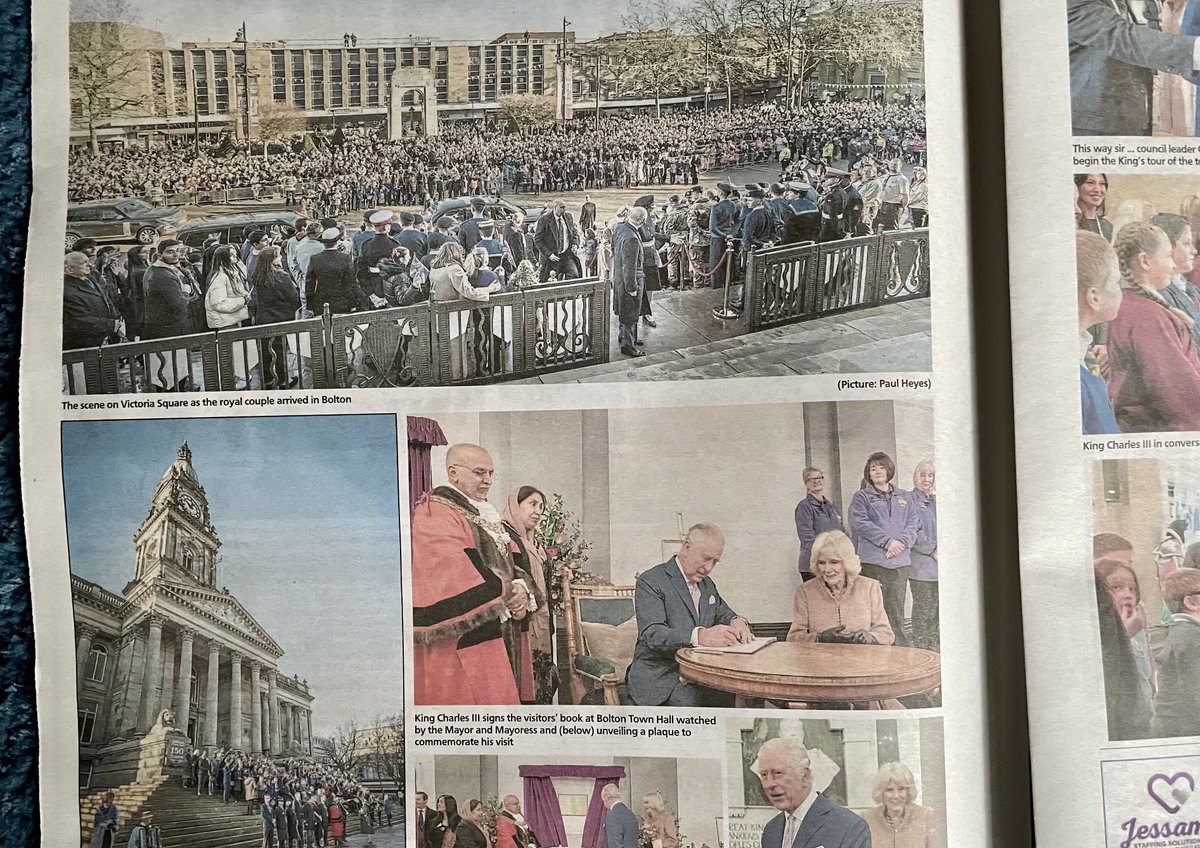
x=1106, y=431
x=510, y=426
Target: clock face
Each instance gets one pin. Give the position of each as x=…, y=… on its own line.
x=190, y=506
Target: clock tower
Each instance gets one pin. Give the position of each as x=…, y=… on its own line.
x=177, y=540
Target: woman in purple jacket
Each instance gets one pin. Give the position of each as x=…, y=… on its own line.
x=884, y=521
x=814, y=515
x=923, y=576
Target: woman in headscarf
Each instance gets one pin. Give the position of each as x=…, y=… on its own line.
x=522, y=514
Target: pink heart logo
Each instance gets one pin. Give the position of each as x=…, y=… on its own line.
x=1170, y=792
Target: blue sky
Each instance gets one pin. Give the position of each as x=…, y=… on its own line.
x=306, y=509
x=436, y=19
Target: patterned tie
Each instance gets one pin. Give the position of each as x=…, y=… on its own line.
x=694, y=591
x=789, y=832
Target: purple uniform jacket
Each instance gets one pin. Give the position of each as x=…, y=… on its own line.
x=877, y=518
x=924, y=566
x=814, y=517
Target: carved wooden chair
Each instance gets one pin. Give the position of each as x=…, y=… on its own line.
x=601, y=634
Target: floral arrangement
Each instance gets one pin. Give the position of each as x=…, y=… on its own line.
x=560, y=535
x=487, y=819
x=647, y=835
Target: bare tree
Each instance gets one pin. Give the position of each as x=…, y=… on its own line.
x=719, y=26
x=343, y=749
x=279, y=122
x=526, y=111
x=111, y=74
x=887, y=36
x=655, y=54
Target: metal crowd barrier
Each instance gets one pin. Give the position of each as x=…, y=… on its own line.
x=514, y=335
x=785, y=285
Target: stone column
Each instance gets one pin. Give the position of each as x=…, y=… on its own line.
x=235, y=700
x=255, y=708
x=210, y=700
x=308, y=723
x=273, y=709
x=83, y=650
x=183, y=684
x=167, y=701
x=286, y=721
x=152, y=677
x=129, y=683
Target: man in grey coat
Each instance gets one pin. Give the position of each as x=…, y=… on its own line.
x=628, y=280
x=620, y=824
x=678, y=606
x=1113, y=58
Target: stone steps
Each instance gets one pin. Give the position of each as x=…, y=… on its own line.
x=191, y=821
x=891, y=337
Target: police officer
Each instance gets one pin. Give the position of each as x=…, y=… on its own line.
x=675, y=228
x=722, y=227
x=833, y=205
x=804, y=223
x=409, y=236
x=697, y=216
x=379, y=246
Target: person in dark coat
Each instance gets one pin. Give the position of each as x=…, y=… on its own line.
x=267, y=811
x=803, y=223
x=168, y=295
x=722, y=228
x=468, y=230
x=470, y=832
x=441, y=235
x=379, y=246
x=90, y=318
x=409, y=236
x=650, y=259
x=556, y=239
x=628, y=280
x=331, y=279
x=274, y=299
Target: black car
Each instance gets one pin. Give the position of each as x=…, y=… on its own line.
x=127, y=219
x=229, y=229
x=497, y=208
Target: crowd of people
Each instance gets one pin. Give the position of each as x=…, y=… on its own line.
x=1139, y=314
x=1151, y=661
x=856, y=578
x=366, y=170
x=473, y=825
x=301, y=802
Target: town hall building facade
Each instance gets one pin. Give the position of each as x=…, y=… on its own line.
x=172, y=641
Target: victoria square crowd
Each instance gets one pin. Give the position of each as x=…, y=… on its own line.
x=301, y=802
x=857, y=570
x=689, y=238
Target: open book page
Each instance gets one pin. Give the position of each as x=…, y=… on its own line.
x=1103, y=187
x=430, y=388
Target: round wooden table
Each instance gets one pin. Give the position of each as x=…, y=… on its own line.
x=814, y=672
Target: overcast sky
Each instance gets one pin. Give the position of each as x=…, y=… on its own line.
x=267, y=20
x=306, y=510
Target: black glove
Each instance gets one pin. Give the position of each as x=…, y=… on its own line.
x=834, y=635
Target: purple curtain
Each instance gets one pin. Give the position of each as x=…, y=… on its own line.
x=541, y=802
x=593, y=825
x=423, y=434
x=545, y=816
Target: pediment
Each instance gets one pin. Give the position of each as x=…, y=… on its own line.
x=222, y=609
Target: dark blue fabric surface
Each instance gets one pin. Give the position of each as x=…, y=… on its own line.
x=18, y=719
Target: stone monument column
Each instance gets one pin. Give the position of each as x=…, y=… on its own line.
x=183, y=684
x=273, y=709
x=255, y=708
x=152, y=677
x=210, y=700
x=83, y=650
x=235, y=700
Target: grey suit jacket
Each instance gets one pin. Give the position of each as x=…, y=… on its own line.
x=620, y=827
x=826, y=824
x=1113, y=59
x=665, y=621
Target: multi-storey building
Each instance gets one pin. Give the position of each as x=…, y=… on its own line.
x=171, y=640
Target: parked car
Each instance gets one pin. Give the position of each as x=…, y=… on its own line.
x=229, y=228
x=127, y=219
x=497, y=208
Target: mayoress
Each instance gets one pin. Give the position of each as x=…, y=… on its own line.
x=840, y=605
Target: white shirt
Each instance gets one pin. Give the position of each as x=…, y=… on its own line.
x=792, y=824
